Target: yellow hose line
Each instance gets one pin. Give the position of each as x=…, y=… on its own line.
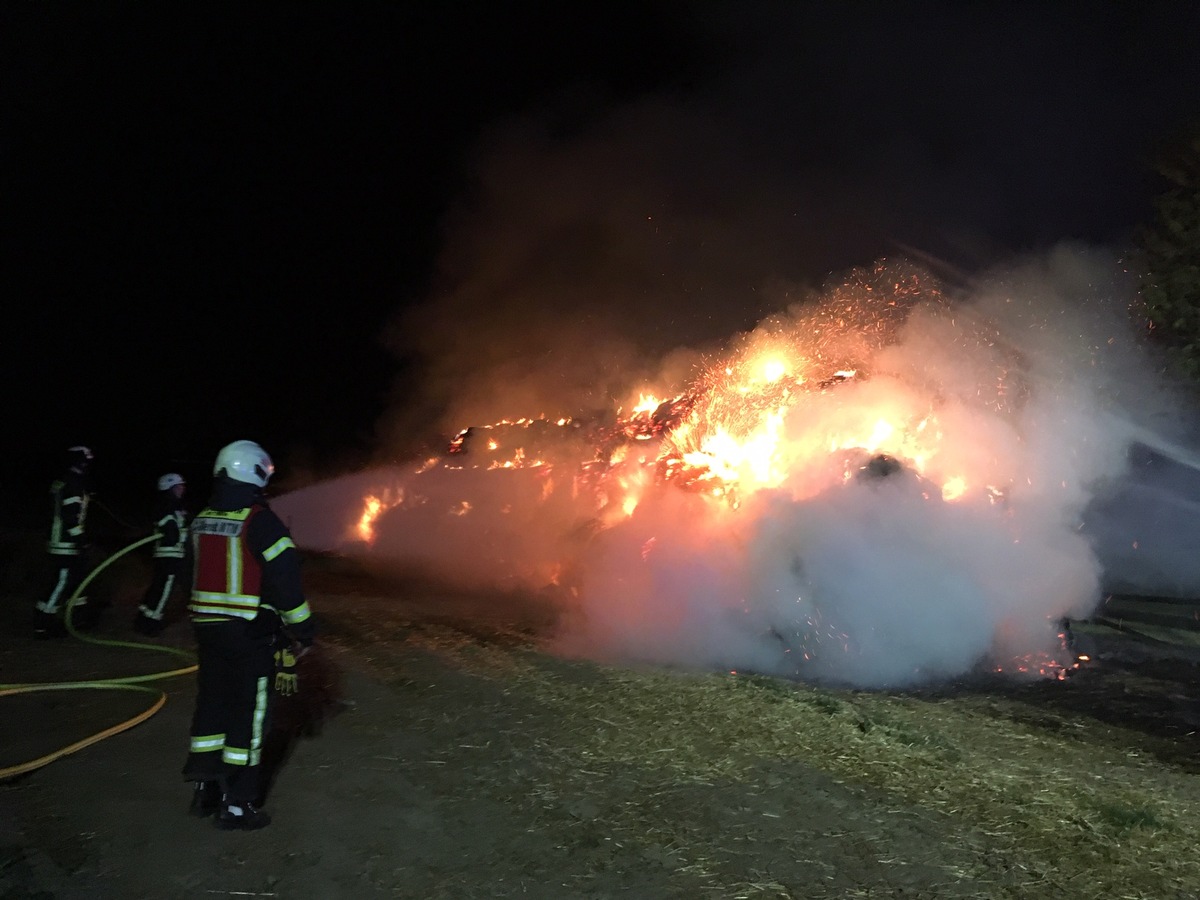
x=127, y=683
x=22, y=768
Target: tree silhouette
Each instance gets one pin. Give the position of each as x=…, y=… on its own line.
x=1168, y=257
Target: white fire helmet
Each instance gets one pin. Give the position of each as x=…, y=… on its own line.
x=244, y=461
x=170, y=480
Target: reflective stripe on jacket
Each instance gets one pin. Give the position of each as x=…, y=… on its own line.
x=228, y=575
x=165, y=548
x=69, y=516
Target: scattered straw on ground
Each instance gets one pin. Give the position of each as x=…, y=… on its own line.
x=976, y=794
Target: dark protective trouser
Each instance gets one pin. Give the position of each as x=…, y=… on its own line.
x=167, y=572
x=68, y=573
x=233, y=690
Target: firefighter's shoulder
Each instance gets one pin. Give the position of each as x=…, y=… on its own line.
x=267, y=534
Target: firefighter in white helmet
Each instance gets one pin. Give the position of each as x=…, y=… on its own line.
x=67, y=546
x=170, y=551
x=247, y=599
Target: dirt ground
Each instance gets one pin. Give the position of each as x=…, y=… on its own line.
x=420, y=768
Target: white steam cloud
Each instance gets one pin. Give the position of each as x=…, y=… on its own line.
x=1038, y=390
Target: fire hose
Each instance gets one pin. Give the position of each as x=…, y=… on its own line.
x=127, y=683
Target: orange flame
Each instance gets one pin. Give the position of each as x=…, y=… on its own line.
x=374, y=506
x=366, y=523
x=757, y=418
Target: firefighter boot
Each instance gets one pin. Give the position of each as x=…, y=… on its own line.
x=243, y=815
x=144, y=624
x=47, y=625
x=206, y=799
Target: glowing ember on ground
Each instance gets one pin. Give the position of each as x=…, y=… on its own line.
x=1047, y=665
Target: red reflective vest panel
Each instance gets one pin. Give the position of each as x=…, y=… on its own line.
x=228, y=575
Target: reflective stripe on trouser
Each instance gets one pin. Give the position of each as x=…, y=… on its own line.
x=154, y=601
x=232, y=696
x=252, y=755
x=68, y=573
x=203, y=743
x=159, y=598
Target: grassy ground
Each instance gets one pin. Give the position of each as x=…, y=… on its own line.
x=1081, y=788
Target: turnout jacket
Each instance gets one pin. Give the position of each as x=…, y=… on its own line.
x=245, y=565
x=69, y=517
x=171, y=527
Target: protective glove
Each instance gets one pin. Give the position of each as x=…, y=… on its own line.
x=287, y=682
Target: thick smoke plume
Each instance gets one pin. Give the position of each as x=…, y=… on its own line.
x=914, y=521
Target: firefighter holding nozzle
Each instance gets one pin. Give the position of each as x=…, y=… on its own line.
x=249, y=616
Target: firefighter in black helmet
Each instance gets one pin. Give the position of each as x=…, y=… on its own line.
x=67, y=545
x=247, y=603
x=169, y=553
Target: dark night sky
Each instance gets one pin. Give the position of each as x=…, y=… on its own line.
x=255, y=220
